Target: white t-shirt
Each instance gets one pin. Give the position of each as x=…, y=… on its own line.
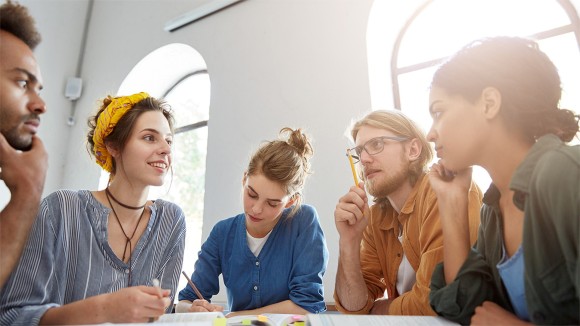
x=406, y=276
x=256, y=244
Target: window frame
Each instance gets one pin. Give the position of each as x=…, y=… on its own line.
x=572, y=27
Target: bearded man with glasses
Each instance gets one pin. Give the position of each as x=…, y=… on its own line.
x=387, y=252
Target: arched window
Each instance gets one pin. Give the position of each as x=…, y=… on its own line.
x=435, y=29
x=177, y=73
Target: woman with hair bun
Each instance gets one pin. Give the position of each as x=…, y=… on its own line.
x=107, y=256
x=496, y=104
x=273, y=255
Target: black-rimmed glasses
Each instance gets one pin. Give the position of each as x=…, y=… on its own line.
x=373, y=146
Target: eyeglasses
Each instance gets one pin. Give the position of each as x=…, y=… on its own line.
x=373, y=146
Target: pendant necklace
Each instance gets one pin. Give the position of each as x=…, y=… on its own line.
x=128, y=239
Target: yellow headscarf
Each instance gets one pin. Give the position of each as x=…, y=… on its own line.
x=107, y=121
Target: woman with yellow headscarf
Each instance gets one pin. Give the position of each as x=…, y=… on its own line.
x=110, y=255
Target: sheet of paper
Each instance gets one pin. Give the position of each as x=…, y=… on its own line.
x=189, y=319
x=373, y=320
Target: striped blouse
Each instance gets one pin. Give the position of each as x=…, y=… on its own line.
x=68, y=258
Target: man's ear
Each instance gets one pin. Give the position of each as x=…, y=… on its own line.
x=414, y=150
x=292, y=200
x=491, y=98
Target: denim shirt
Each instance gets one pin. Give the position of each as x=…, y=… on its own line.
x=289, y=267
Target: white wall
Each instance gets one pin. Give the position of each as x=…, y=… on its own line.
x=272, y=63
x=61, y=25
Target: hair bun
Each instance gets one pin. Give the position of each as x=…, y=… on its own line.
x=568, y=122
x=299, y=141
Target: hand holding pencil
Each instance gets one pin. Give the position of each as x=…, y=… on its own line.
x=200, y=305
x=199, y=296
x=352, y=210
x=352, y=167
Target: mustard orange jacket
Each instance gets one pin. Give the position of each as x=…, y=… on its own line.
x=381, y=252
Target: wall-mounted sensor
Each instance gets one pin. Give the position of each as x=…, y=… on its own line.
x=73, y=89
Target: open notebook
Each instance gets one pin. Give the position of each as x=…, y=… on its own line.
x=268, y=320
x=218, y=319
x=191, y=318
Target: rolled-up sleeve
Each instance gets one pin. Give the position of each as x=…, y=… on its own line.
x=473, y=285
x=372, y=272
x=311, y=260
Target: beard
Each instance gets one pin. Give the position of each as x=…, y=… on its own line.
x=382, y=187
x=18, y=141
x=10, y=131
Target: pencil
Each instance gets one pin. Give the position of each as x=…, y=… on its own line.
x=352, y=168
x=193, y=286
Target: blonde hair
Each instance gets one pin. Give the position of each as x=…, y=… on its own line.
x=285, y=161
x=399, y=124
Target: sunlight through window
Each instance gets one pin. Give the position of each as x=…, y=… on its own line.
x=444, y=26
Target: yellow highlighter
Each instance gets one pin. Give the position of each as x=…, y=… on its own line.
x=352, y=168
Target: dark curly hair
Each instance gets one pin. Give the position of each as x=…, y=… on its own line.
x=527, y=79
x=16, y=20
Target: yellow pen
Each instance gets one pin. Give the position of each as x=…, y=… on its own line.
x=352, y=168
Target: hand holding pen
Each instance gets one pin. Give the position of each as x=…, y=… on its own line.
x=161, y=294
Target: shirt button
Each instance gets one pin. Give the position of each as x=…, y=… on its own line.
x=255, y=288
x=257, y=263
x=127, y=271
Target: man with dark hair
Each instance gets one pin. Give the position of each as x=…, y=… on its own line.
x=23, y=158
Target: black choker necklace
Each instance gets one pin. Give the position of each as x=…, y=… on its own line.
x=123, y=205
